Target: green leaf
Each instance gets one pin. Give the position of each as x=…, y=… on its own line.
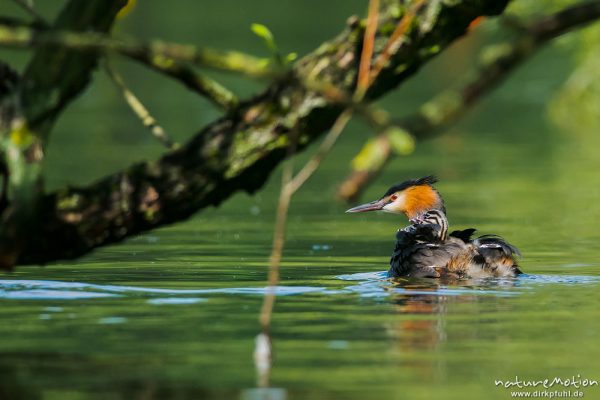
x=264, y=33
x=370, y=157
x=401, y=141
x=291, y=57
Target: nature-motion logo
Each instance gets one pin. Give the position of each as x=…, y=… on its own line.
x=547, y=383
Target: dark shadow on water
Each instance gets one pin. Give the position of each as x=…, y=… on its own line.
x=33, y=376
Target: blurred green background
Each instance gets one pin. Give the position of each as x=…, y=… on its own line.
x=523, y=163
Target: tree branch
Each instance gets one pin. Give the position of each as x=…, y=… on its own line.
x=444, y=109
x=53, y=77
x=239, y=151
x=31, y=35
x=218, y=94
x=156, y=53
x=28, y=8
x=139, y=109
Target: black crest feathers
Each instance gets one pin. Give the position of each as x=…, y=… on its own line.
x=426, y=180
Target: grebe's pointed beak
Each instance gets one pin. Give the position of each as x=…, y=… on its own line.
x=372, y=206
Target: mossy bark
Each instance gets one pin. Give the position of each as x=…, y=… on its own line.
x=28, y=109
x=240, y=150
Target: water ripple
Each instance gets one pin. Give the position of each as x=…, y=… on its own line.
x=50, y=293
x=377, y=284
x=365, y=284
x=44, y=290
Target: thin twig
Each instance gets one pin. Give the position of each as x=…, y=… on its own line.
x=362, y=85
x=139, y=109
x=151, y=52
x=363, y=81
x=28, y=7
x=395, y=41
x=205, y=86
x=199, y=83
x=313, y=164
x=263, y=346
x=445, y=108
x=283, y=205
x=290, y=184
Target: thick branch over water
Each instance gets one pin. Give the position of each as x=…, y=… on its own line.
x=239, y=151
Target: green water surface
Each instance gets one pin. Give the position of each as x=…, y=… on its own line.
x=173, y=314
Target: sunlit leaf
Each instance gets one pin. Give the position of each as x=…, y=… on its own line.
x=402, y=142
x=264, y=33
x=291, y=57
x=21, y=136
x=370, y=156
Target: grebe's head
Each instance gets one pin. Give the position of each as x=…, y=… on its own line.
x=411, y=198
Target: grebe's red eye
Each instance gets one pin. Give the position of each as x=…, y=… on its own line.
x=393, y=197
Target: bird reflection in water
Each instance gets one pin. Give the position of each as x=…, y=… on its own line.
x=423, y=305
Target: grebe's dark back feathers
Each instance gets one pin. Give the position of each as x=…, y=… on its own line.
x=464, y=235
x=423, y=251
x=496, y=242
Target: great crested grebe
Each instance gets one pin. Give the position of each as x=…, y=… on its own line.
x=424, y=249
